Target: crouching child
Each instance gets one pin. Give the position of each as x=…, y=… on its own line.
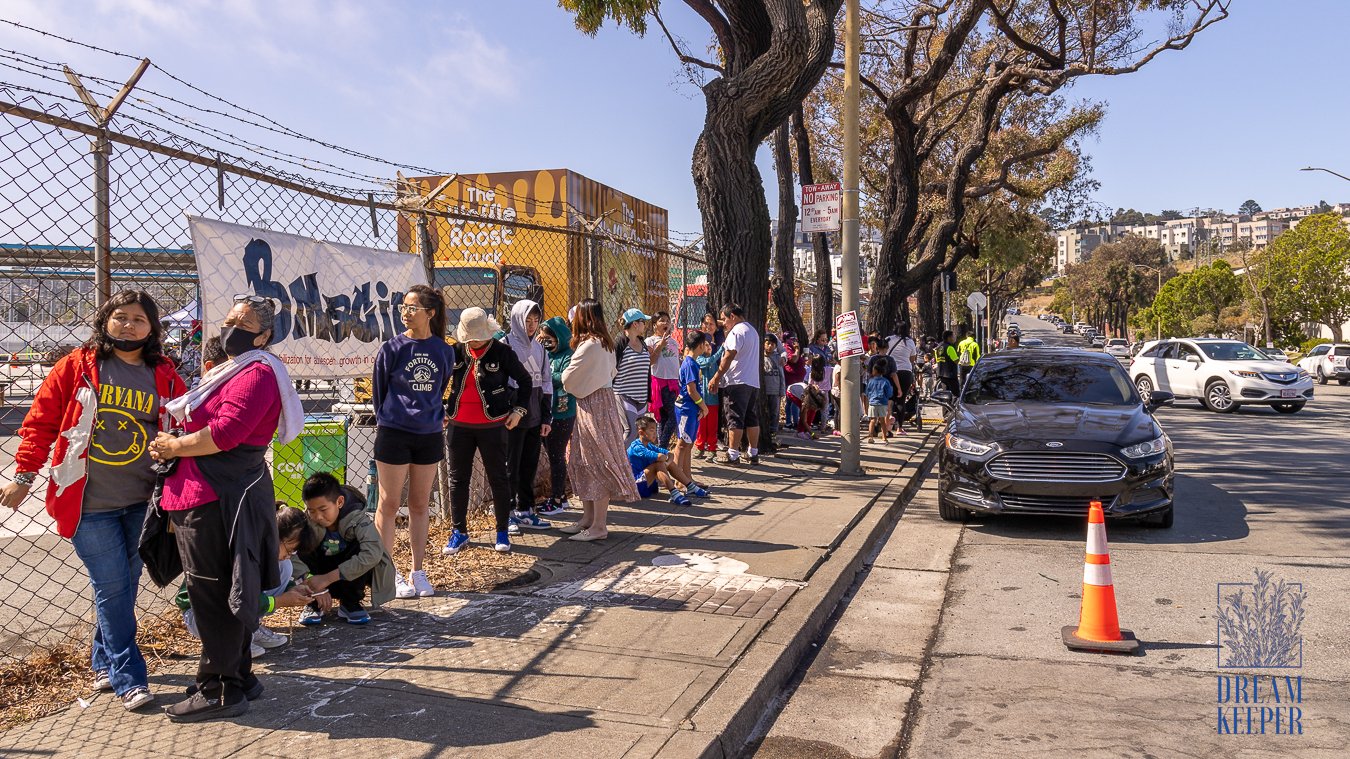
x=653, y=466
x=294, y=536
x=348, y=557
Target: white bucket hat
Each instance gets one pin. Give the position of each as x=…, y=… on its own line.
x=475, y=325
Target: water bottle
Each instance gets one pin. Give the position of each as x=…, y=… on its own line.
x=372, y=488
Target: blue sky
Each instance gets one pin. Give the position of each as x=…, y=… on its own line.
x=509, y=85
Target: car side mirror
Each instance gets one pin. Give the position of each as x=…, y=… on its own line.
x=1157, y=399
x=1194, y=359
x=944, y=398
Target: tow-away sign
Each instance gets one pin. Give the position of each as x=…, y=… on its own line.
x=822, y=207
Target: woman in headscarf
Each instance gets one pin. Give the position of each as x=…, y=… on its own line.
x=220, y=501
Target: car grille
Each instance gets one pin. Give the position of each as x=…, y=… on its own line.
x=1028, y=466
x=1051, y=504
x=1284, y=378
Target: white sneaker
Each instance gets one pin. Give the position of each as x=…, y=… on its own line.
x=402, y=589
x=268, y=638
x=102, y=682
x=256, y=650
x=421, y=585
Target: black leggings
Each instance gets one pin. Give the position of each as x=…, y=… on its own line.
x=556, y=443
x=490, y=443
x=522, y=462
x=666, y=417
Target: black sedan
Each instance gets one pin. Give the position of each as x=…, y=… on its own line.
x=1045, y=431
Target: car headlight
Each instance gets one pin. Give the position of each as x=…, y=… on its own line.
x=967, y=446
x=1303, y=374
x=1151, y=448
x=1245, y=373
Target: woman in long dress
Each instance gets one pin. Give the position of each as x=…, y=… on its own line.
x=597, y=465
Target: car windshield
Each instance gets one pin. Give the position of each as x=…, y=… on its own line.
x=1233, y=351
x=1117, y=341
x=1040, y=381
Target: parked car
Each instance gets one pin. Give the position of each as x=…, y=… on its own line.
x=1014, y=311
x=1032, y=342
x=1328, y=361
x=1042, y=317
x=1118, y=347
x=1066, y=329
x=1222, y=374
x=1046, y=431
x=1097, y=340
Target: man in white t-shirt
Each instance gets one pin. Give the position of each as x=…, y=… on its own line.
x=738, y=377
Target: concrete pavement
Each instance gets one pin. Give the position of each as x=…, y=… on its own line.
x=666, y=639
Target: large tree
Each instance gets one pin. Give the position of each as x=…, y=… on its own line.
x=770, y=54
x=1309, y=271
x=949, y=80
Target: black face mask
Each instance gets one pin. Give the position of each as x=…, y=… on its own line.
x=237, y=341
x=128, y=346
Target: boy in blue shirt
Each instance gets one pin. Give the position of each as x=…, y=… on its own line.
x=690, y=405
x=879, y=393
x=653, y=466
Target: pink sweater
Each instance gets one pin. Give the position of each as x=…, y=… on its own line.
x=244, y=411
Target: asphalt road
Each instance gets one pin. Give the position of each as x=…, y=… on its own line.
x=967, y=617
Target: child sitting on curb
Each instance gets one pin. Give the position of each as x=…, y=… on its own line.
x=293, y=536
x=348, y=557
x=653, y=466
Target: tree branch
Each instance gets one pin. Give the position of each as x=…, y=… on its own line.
x=868, y=83
x=709, y=13
x=683, y=56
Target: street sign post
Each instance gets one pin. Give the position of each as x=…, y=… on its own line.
x=977, y=302
x=822, y=207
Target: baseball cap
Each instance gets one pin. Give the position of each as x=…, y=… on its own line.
x=634, y=315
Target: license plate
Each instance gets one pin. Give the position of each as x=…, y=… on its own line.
x=1288, y=393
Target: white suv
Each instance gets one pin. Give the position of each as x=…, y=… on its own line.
x=1327, y=362
x=1222, y=374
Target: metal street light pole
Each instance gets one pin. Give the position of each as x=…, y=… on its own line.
x=1156, y=312
x=850, y=454
x=1329, y=171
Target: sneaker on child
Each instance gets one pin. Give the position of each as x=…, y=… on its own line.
x=268, y=638
x=256, y=651
x=457, y=541
x=552, y=508
x=503, y=542
x=529, y=520
x=402, y=589
x=102, y=682
x=421, y=584
x=353, y=613
x=679, y=499
x=311, y=616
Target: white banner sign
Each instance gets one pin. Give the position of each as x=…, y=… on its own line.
x=822, y=207
x=335, y=303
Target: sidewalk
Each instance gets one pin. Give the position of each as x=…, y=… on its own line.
x=668, y=639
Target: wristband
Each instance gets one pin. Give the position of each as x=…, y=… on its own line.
x=25, y=478
x=271, y=605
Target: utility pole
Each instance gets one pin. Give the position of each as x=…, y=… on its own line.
x=101, y=147
x=850, y=457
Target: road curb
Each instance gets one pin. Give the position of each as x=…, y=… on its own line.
x=720, y=727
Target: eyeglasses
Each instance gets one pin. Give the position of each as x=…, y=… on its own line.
x=410, y=310
x=250, y=298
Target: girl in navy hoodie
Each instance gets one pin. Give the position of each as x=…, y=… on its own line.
x=412, y=370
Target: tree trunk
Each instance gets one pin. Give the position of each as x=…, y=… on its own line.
x=823, y=314
x=890, y=286
x=775, y=53
x=930, y=310
x=784, y=269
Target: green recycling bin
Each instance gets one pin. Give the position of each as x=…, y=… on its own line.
x=321, y=447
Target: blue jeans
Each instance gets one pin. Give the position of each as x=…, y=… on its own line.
x=108, y=542
x=791, y=414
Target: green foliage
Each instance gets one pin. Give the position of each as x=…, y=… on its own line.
x=1311, y=343
x=1198, y=302
x=591, y=14
x=1113, y=283
x=1249, y=207
x=1308, y=272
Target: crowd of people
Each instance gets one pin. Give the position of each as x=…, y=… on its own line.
x=145, y=467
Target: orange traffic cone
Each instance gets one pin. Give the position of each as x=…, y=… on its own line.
x=1098, y=627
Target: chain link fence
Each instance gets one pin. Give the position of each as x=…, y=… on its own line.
x=490, y=240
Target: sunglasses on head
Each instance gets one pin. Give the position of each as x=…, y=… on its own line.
x=251, y=299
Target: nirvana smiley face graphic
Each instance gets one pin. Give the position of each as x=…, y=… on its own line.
x=119, y=439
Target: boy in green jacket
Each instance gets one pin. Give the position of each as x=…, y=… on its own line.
x=556, y=336
x=349, y=557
